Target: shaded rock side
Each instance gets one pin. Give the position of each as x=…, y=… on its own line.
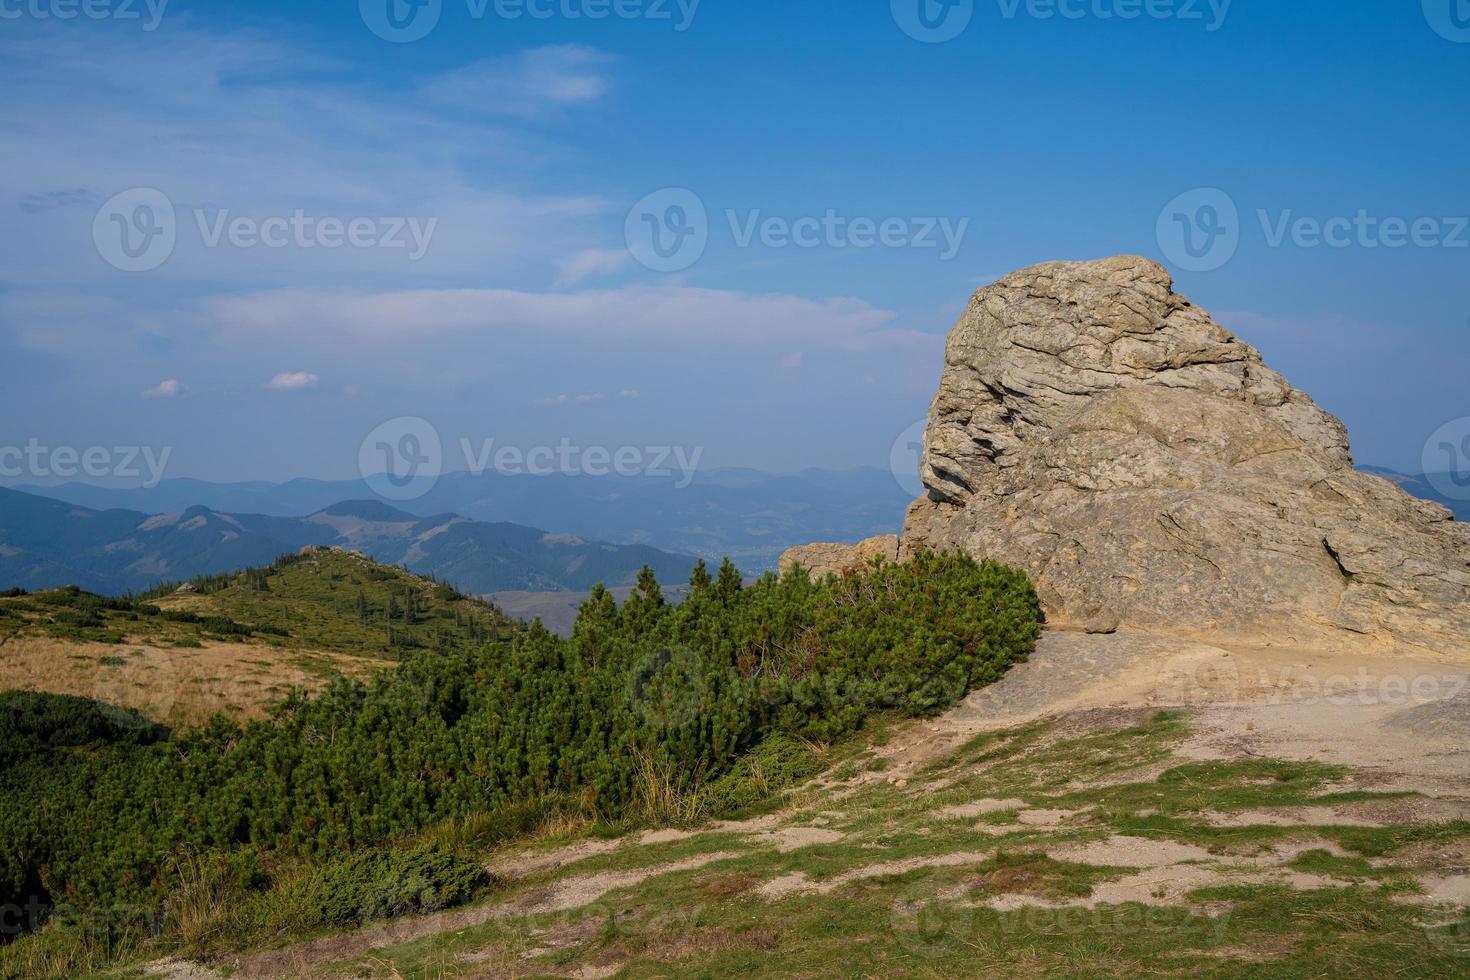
x=1147, y=468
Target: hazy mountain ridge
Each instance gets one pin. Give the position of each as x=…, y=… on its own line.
x=1419, y=485
x=47, y=543
x=750, y=515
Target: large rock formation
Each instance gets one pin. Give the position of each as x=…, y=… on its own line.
x=1148, y=469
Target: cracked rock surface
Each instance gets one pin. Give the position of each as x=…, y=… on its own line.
x=1147, y=468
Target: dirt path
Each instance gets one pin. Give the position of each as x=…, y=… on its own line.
x=1407, y=720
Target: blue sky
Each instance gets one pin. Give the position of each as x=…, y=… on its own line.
x=517, y=147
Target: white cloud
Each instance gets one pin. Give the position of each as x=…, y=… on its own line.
x=260, y=126
x=171, y=388
x=670, y=314
x=629, y=393
x=293, y=381
x=793, y=360
x=587, y=399
x=527, y=83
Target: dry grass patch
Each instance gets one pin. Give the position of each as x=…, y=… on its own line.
x=728, y=885
x=178, y=686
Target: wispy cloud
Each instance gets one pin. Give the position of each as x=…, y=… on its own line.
x=40, y=202
x=527, y=83
x=591, y=398
x=590, y=263
x=170, y=388
x=673, y=314
x=520, y=293
x=293, y=381
x=261, y=127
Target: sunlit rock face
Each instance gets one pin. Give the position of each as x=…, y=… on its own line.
x=1149, y=470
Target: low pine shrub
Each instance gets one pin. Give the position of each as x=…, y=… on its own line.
x=648, y=711
x=383, y=884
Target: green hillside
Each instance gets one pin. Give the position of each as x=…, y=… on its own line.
x=319, y=600
x=328, y=599
x=235, y=644
x=379, y=797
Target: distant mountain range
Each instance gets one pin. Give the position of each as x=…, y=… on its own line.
x=47, y=542
x=478, y=532
x=1421, y=487
x=748, y=515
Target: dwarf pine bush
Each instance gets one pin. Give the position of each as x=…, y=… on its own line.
x=93, y=814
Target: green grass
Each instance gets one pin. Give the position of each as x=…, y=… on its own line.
x=313, y=599
x=685, y=925
x=1380, y=841
x=1034, y=873
x=1323, y=862
x=932, y=920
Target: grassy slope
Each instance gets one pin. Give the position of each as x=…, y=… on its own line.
x=891, y=879
x=315, y=599
x=985, y=895
x=250, y=645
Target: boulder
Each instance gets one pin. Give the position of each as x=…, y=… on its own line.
x=821, y=560
x=1150, y=472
